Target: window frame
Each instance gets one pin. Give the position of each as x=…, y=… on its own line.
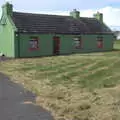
x=77, y=39
x=34, y=39
x=100, y=39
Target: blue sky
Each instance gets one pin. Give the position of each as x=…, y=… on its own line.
x=110, y=8
x=62, y=5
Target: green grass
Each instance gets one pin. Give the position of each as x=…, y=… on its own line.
x=74, y=87
x=117, y=44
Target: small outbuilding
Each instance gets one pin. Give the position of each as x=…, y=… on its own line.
x=34, y=35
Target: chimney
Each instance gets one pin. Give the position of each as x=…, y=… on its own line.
x=75, y=14
x=7, y=9
x=99, y=16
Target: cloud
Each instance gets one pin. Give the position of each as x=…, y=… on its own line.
x=111, y=16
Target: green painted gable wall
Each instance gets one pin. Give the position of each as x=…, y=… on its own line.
x=89, y=44
x=7, y=30
x=7, y=39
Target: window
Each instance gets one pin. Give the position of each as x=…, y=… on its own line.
x=100, y=42
x=34, y=43
x=77, y=43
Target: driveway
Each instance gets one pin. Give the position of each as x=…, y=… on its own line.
x=18, y=104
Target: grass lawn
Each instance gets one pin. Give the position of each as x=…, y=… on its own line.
x=117, y=44
x=74, y=87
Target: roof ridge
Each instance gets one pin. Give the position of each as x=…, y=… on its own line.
x=50, y=14
x=30, y=13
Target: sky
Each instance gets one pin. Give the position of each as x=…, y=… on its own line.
x=109, y=8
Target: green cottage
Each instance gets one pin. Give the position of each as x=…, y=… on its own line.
x=34, y=35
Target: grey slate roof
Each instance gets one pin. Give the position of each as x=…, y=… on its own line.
x=43, y=23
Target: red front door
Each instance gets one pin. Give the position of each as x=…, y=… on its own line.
x=56, y=45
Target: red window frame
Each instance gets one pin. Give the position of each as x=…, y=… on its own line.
x=78, y=39
x=100, y=42
x=34, y=40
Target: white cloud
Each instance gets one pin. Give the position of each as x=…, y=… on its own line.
x=111, y=16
